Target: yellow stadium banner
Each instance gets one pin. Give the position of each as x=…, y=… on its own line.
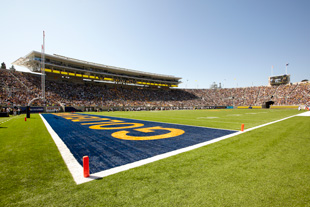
x=111, y=79
x=108, y=79
x=283, y=107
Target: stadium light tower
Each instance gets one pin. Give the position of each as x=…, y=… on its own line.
x=43, y=69
x=286, y=68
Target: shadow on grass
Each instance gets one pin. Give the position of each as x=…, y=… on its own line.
x=95, y=177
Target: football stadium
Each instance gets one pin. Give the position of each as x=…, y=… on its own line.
x=77, y=133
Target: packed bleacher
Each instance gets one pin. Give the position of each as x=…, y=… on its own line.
x=18, y=89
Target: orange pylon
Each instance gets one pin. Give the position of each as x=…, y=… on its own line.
x=86, y=166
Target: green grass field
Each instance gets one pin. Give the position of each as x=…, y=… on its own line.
x=269, y=166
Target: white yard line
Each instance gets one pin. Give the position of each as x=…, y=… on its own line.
x=9, y=119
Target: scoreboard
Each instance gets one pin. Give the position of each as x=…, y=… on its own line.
x=279, y=80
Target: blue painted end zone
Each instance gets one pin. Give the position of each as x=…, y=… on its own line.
x=106, y=152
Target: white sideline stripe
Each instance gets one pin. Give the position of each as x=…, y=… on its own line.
x=74, y=167
x=268, y=123
x=304, y=114
x=77, y=170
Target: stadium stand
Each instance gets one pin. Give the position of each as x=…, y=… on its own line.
x=19, y=88
x=58, y=65
x=84, y=85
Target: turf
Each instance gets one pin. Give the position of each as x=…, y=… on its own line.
x=269, y=166
x=222, y=118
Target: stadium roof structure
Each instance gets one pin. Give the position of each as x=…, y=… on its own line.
x=65, y=66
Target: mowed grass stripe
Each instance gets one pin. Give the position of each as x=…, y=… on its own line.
x=225, y=120
x=264, y=167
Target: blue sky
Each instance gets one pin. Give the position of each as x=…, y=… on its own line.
x=232, y=42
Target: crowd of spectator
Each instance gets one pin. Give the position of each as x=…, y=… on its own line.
x=18, y=89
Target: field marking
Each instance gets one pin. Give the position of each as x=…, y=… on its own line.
x=9, y=119
x=170, y=123
x=207, y=117
x=307, y=113
x=74, y=167
x=77, y=170
x=250, y=129
x=233, y=115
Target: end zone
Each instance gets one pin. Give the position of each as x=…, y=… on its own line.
x=109, y=155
